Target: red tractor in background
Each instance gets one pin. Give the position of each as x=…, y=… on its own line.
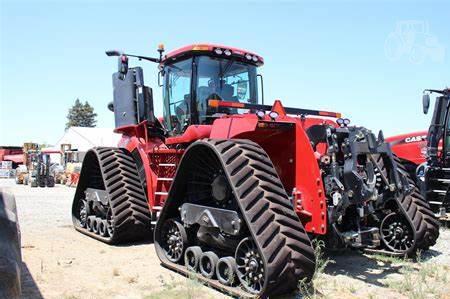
x=234, y=190
x=426, y=155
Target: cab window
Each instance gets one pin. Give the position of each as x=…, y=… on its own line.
x=177, y=100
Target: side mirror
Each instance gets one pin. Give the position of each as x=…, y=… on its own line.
x=113, y=53
x=426, y=103
x=111, y=106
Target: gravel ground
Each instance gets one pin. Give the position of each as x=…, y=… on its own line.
x=61, y=263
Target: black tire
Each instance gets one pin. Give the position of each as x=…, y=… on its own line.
x=10, y=252
x=114, y=170
x=226, y=270
x=192, y=258
x=207, y=265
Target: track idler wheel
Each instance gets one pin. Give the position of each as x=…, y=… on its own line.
x=250, y=266
x=226, y=270
x=397, y=233
x=192, y=258
x=174, y=240
x=208, y=262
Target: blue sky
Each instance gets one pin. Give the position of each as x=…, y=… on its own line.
x=340, y=56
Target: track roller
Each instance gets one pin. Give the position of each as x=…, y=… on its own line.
x=90, y=223
x=226, y=270
x=192, y=258
x=208, y=262
x=102, y=228
x=95, y=225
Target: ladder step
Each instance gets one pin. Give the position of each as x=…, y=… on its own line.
x=435, y=203
x=165, y=179
x=160, y=193
x=440, y=191
x=167, y=165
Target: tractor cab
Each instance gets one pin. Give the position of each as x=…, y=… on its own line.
x=190, y=77
x=195, y=75
x=439, y=130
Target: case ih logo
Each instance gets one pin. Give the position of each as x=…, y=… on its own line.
x=415, y=139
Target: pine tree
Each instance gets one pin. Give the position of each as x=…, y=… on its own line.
x=81, y=115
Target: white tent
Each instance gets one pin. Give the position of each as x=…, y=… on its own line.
x=82, y=139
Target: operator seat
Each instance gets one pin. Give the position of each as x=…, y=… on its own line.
x=227, y=95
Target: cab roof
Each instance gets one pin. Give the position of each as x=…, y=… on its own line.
x=211, y=48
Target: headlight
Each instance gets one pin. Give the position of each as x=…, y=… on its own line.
x=340, y=121
x=248, y=56
x=227, y=52
x=260, y=114
x=255, y=59
x=346, y=121
x=273, y=115
x=218, y=51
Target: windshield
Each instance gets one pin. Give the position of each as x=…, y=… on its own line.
x=226, y=80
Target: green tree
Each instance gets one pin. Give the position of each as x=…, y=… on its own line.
x=81, y=115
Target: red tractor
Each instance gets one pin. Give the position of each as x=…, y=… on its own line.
x=234, y=190
x=426, y=155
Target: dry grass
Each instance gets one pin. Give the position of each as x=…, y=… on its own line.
x=422, y=281
x=189, y=289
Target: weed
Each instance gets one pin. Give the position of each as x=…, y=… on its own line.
x=132, y=279
x=312, y=289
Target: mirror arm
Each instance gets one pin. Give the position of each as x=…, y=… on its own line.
x=262, y=88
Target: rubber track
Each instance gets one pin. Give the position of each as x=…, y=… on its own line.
x=270, y=217
x=432, y=232
x=416, y=209
x=119, y=175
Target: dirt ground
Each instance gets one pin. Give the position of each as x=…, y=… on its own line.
x=61, y=263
